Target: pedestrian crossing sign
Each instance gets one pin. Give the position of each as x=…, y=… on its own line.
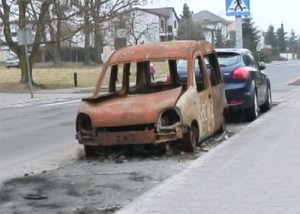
x=237, y=7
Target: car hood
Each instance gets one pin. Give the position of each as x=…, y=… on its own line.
x=129, y=109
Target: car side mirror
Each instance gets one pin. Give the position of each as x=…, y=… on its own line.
x=262, y=66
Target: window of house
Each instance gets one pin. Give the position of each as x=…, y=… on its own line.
x=120, y=43
x=120, y=24
x=162, y=25
x=175, y=24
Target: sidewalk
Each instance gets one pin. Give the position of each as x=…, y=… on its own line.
x=284, y=62
x=255, y=171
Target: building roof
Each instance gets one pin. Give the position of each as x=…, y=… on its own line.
x=205, y=16
x=161, y=11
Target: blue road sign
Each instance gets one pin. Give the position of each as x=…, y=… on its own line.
x=237, y=7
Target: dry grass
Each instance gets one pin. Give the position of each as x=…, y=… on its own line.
x=57, y=78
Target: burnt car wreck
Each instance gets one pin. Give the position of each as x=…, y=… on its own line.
x=140, y=110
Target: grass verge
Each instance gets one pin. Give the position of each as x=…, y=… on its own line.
x=61, y=78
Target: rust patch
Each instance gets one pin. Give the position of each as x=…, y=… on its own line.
x=131, y=109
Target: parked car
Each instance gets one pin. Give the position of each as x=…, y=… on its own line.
x=12, y=62
x=138, y=110
x=248, y=88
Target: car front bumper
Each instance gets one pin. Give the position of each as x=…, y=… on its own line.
x=150, y=136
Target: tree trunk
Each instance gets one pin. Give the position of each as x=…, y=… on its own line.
x=98, y=45
x=57, y=47
x=87, y=34
x=87, y=49
x=56, y=56
x=23, y=66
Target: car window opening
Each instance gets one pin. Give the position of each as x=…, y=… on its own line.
x=146, y=77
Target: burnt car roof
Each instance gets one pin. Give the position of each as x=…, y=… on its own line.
x=231, y=50
x=178, y=49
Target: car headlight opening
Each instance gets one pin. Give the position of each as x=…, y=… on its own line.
x=84, y=123
x=170, y=117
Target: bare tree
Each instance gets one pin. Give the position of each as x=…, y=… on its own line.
x=26, y=13
x=188, y=29
x=140, y=28
x=95, y=13
x=62, y=26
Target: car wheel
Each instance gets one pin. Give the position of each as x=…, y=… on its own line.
x=189, y=141
x=268, y=104
x=252, y=113
x=223, y=128
x=89, y=151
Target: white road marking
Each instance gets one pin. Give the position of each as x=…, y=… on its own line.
x=60, y=103
x=44, y=103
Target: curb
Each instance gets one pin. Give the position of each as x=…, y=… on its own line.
x=289, y=82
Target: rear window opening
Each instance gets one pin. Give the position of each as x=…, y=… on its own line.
x=228, y=59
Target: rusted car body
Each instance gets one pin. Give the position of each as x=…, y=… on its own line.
x=157, y=112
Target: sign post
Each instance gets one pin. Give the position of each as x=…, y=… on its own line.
x=238, y=8
x=25, y=39
x=258, y=49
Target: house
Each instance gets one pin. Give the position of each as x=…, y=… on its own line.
x=142, y=25
x=5, y=52
x=261, y=34
x=232, y=30
x=210, y=23
x=139, y=26
x=168, y=22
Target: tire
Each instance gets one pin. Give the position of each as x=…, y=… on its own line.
x=252, y=113
x=268, y=104
x=189, y=141
x=90, y=151
x=223, y=128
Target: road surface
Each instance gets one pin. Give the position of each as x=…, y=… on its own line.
x=35, y=128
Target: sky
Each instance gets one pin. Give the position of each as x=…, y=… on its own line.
x=264, y=12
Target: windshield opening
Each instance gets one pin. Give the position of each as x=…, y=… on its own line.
x=142, y=77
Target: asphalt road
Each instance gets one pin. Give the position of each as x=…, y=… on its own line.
x=29, y=131
x=283, y=73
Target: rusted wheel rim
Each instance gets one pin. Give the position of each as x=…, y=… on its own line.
x=193, y=138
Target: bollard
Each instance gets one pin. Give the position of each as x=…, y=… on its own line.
x=75, y=79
